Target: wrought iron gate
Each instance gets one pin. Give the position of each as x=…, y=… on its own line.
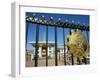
x=58, y=24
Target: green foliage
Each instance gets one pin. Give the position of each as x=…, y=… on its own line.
x=78, y=44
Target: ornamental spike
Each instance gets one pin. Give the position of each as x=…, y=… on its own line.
x=73, y=21
x=59, y=19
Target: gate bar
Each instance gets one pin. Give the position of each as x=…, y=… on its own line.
x=36, y=45
x=56, y=61
x=64, y=46
x=71, y=54
x=46, y=45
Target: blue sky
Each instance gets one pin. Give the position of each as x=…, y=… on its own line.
x=83, y=19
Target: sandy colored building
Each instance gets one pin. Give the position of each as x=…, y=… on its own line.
x=42, y=49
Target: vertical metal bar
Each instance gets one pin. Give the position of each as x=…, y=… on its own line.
x=46, y=45
x=71, y=54
x=72, y=59
x=27, y=27
x=75, y=30
x=70, y=31
x=56, y=61
x=85, y=60
x=78, y=60
x=36, y=45
x=64, y=46
x=87, y=36
x=81, y=30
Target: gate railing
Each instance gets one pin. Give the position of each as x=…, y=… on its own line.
x=55, y=24
x=59, y=23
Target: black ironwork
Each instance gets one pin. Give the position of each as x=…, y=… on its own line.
x=27, y=25
x=70, y=31
x=78, y=61
x=69, y=47
x=85, y=60
x=51, y=22
x=87, y=35
x=56, y=61
x=64, y=46
x=47, y=46
x=36, y=45
x=72, y=59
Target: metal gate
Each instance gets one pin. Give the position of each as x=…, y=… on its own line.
x=55, y=24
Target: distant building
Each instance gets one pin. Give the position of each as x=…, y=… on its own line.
x=51, y=50
x=42, y=49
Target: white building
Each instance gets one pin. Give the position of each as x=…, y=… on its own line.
x=42, y=49
x=51, y=50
